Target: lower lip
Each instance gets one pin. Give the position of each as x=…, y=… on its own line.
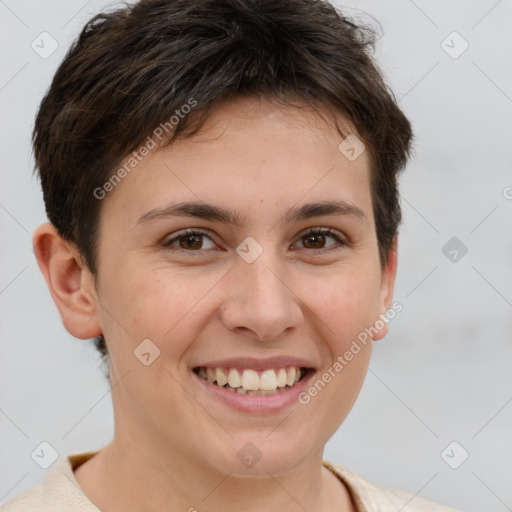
x=257, y=404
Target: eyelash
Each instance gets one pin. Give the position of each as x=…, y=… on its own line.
x=311, y=231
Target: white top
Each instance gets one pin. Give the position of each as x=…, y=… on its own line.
x=60, y=492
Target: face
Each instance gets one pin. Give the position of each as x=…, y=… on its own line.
x=252, y=279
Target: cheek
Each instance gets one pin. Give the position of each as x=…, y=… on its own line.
x=343, y=303
x=342, y=307
x=166, y=308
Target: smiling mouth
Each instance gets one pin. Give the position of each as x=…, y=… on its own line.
x=252, y=382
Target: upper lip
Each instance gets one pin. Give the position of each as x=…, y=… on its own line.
x=256, y=364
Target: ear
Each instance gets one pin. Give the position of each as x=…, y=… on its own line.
x=387, y=286
x=69, y=281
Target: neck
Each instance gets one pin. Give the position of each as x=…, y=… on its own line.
x=126, y=476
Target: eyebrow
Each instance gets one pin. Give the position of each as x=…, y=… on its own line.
x=213, y=212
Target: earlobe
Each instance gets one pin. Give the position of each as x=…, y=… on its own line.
x=69, y=281
x=386, y=288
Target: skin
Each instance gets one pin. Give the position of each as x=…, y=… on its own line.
x=177, y=449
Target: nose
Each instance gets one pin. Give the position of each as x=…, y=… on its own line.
x=259, y=300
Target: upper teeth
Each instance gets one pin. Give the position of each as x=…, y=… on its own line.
x=251, y=379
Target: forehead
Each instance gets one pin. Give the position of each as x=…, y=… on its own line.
x=250, y=154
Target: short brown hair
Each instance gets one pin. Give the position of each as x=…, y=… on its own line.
x=132, y=68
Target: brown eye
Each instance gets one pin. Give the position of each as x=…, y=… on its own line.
x=317, y=239
x=190, y=241
x=314, y=240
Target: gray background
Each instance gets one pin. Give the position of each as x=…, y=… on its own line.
x=443, y=374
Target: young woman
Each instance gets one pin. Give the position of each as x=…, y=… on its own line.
x=220, y=178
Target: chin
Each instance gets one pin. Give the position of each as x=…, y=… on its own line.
x=260, y=454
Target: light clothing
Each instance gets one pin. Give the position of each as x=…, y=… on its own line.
x=60, y=492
